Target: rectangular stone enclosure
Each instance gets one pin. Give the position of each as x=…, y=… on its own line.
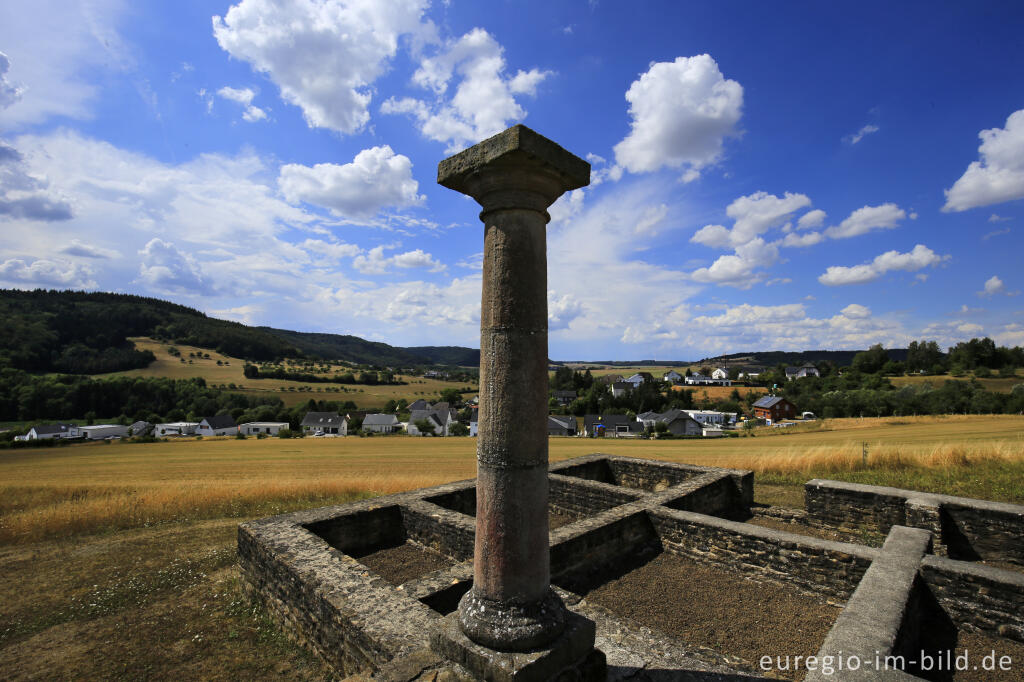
x=363, y=585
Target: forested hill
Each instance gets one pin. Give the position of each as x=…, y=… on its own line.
x=839, y=358
x=87, y=333
x=355, y=349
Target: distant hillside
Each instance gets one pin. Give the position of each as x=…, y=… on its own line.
x=87, y=333
x=839, y=358
x=355, y=349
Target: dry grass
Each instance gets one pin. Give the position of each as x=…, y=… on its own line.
x=101, y=487
x=997, y=384
x=366, y=397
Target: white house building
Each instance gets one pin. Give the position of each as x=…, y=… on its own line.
x=269, y=428
x=381, y=423
x=325, y=423
x=101, y=431
x=698, y=379
x=719, y=373
x=175, y=429
x=221, y=425
x=44, y=431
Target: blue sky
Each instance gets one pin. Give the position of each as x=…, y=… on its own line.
x=766, y=176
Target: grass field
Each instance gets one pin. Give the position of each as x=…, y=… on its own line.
x=366, y=397
x=119, y=558
x=997, y=384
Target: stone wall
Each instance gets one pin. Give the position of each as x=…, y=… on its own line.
x=580, y=497
x=978, y=597
x=830, y=569
x=964, y=528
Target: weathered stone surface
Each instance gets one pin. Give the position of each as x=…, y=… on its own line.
x=566, y=656
x=964, y=528
x=878, y=618
x=514, y=176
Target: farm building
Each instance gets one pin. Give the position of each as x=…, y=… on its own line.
x=221, y=425
x=773, y=408
x=325, y=423
x=101, y=431
x=175, y=429
x=269, y=428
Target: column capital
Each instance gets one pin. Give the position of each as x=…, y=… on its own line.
x=516, y=169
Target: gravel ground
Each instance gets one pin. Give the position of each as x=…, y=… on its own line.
x=403, y=563
x=711, y=608
x=557, y=520
x=979, y=645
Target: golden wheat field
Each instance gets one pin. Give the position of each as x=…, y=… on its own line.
x=64, y=491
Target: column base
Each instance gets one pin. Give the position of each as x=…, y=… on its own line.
x=511, y=627
x=570, y=656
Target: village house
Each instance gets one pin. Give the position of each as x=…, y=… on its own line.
x=801, y=372
x=561, y=425
x=698, y=379
x=680, y=423
x=672, y=377
x=268, y=428
x=220, y=425
x=381, y=423
x=772, y=408
x=719, y=373
x=706, y=417
x=324, y=424
x=617, y=425
x=621, y=388
x=640, y=378
x=563, y=397
x=175, y=429
x=45, y=431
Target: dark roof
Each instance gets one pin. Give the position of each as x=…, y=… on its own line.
x=47, y=429
x=672, y=415
x=562, y=422
x=608, y=420
x=430, y=415
x=221, y=421
x=420, y=404
x=322, y=419
x=437, y=407
x=768, y=401
x=622, y=385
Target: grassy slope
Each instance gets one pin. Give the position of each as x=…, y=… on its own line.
x=997, y=384
x=366, y=397
x=156, y=593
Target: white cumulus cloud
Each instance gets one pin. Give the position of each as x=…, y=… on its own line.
x=483, y=102
x=682, y=111
x=9, y=93
x=993, y=286
x=866, y=219
x=376, y=178
x=916, y=259
x=999, y=175
x=244, y=96
x=324, y=55
x=47, y=273
x=167, y=269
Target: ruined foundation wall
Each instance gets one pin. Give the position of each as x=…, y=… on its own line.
x=831, y=569
x=964, y=528
x=977, y=596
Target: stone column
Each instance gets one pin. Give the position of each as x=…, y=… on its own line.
x=515, y=176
